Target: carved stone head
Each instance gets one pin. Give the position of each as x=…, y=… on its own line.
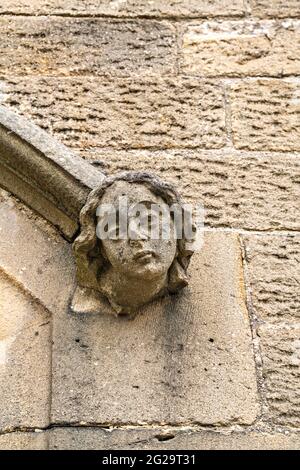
x=132, y=270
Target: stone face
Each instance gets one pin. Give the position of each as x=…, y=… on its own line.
x=24, y=359
x=137, y=267
x=164, y=439
x=173, y=8
x=236, y=190
x=281, y=369
x=121, y=113
x=241, y=48
x=275, y=8
x=265, y=115
x=73, y=46
x=274, y=275
x=24, y=441
x=185, y=359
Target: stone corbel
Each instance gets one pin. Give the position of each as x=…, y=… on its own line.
x=67, y=191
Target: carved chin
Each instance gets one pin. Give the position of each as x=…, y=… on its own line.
x=148, y=271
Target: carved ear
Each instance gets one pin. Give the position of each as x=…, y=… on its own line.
x=177, y=277
x=87, y=261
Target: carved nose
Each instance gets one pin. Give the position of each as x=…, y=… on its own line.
x=137, y=233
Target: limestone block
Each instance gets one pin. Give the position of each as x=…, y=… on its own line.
x=183, y=359
x=241, y=48
x=254, y=192
x=275, y=8
x=35, y=256
x=36, y=275
x=274, y=275
x=131, y=112
x=72, y=46
x=132, y=8
x=24, y=441
x=281, y=368
x=169, y=439
x=265, y=115
x=25, y=364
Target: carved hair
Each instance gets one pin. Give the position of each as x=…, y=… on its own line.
x=87, y=247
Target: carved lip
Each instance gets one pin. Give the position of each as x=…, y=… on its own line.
x=144, y=255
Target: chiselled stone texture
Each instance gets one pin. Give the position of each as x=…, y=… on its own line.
x=24, y=441
x=265, y=115
x=254, y=192
x=275, y=8
x=84, y=46
x=241, y=48
x=164, y=439
x=124, y=112
x=281, y=368
x=183, y=359
x=274, y=275
x=134, y=8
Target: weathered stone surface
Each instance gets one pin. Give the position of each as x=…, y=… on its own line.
x=24, y=441
x=281, y=368
x=72, y=46
x=132, y=112
x=184, y=359
x=134, y=8
x=43, y=173
x=255, y=192
x=36, y=269
x=31, y=287
x=35, y=256
x=274, y=275
x=24, y=359
x=265, y=115
x=275, y=8
x=133, y=271
x=241, y=48
x=129, y=439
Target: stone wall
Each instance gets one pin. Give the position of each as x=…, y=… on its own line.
x=206, y=94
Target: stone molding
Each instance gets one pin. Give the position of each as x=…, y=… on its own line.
x=43, y=173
